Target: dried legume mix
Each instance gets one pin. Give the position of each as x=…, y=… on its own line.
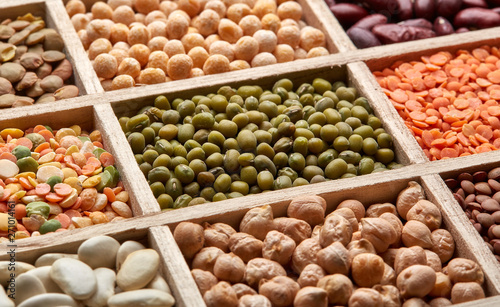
x=33, y=67
x=358, y=255
x=57, y=180
x=450, y=103
x=247, y=140
x=148, y=41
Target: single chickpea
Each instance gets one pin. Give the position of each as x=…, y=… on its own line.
x=157, y=43
x=173, y=47
x=311, y=37
x=237, y=11
x=155, y=16
x=199, y=55
x=207, y=23
x=238, y=65
x=216, y=64
x=100, y=45
x=119, y=55
x=263, y=7
x=267, y=40
x=122, y=81
x=222, y=47
x=157, y=28
x=289, y=22
x=218, y=6
x=146, y=6
x=105, y=66
x=140, y=52
x=366, y=297
x=250, y=24
x=299, y=54
x=196, y=72
x=74, y=7
x=339, y=288
x=177, y=26
x=246, y=48
x=123, y=14
x=138, y=35
x=116, y=3
x=80, y=21
x=271, y=22
x=317, y=52
x=189, y=41
x=168, y=7
x=192, y=7
x=284, y=53
x=84, y=38
x=229, y=31
x=466, y=291
x=98, y=28
x=210, y=39
x=179, y=66
x=119, y=33
x=152, y=76
x=158, y=59
x=290, y=9
x=289, y=36
x=140, y=18
x=101, y=10
x=121, y=45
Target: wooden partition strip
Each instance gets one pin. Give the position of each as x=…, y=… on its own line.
x=176, y=270
x=141, y=197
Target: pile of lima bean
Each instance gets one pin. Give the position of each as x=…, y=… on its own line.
x=249, y=140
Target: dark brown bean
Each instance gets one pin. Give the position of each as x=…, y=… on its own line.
x=417, y=22
x=470, y=198
x=348, y=14
x=405, y=9
x=483, y=188
x=480, y=198
x=485, y=219
x=490, y=232
x=474, y=206
x=475, y=213
x=494, y=173
x=460, y=200
x=490, y=205
x=451, y=183
x=474, y=3
x=465, y=176
x=460, y=192
x=489, y=246
x=370, y=21
x=480, y=176
x=442, y=26
x=448, y=8
x=424, y=8
x=478, y=227
x=476, y=17
x=468, y=186
x=496, y=248
x=495, y=185
x=363, y=38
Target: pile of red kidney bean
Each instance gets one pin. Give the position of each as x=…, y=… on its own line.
x=479, y=195
x=372, y=23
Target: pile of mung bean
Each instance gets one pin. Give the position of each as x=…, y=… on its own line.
x=248, y=140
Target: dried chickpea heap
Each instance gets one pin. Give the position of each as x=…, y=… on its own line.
x=358, y=255
x=148, y=41
x=33, y=68
x=56, y=180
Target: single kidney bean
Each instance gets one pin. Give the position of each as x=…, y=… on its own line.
x=348, y=14
x=475, y=3
x=424, y=8
x=370, y=21
x=362, y=38
x=421, y=33
x=417, y=22
x=477, y=17
x=442, y=26
x=392, y=33
x=405, y=9
x=448, y=8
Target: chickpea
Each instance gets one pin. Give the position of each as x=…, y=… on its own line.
x=246, y=48
x=80, y=21
x=74, y=7
x=157, y=43
x=122, y=81
x=296, y=229
x=366, y=297
x=284, y=53
x=229, y=30
x=138, y=35
x=310, y=208
x=260, y=268
x=335, y=229
x=311, y=297
x=367, y=269
x=433, y=260
x=348, y=214
x=101, y=10
x=389, y=256
x=218, y=235
x=208, y=22
x=140, y=52
x=442, y=286
x=338, y=287
x=229, y=267
x=464, y=270
x=100, y=45
x=245, y=246
x=278, y=247
x=155, y=16
x=146, y=6
x=105, y=66
x=250, y=24
x=221, y=295
x=317, y=52
x=177, y=26
x=416, y=281
x=130, y=67
x=119, y=55
x=290, y=9
x=280, y=290
x=396, y=224
x=257, y=221
x=189, y=237
x=205, y=258
x=116, y=3
x=204, y=280
x=223, y=48
x=179, y=66
x=356, y=206
x=199, y=55
x=167, y=7
x=250, y=300
x=267, y=40
x=334, y=259
x=440, y=301
x=173, y=47
x=465, y=292
x=123, y=14
x=189, y=41
x=406, y=257
x=426, y=212
x=263, y=7
x=415, y=302
x=310, y=275
x=237, y=11
x=311, y=37
x=416, y=233
x=242, y=289
x=390, y=295
x=157, y=28
x=389, y=277
x=98, y=28
x=360, y=246
x=196, y=72
x=271, y=22
x=305, y=253
x=376, y=210
x=238, y=65
x=379, y=232
x=408, y=198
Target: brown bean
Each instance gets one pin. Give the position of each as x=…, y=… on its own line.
x=470, y=198
x=348, y=14
x=468, y=186
x=483, y=188
x=65, y=92
x=477, y=18
x=485, y=219
x=495, y=230
x=494, y=185
x=5, y=86
x=51, y=83
x=490, y=205
x=424, y=8
x=53, y=56
x=460, y=200
x=481, y=198
x=461, y=192
x=19, y=37
x=35, y=38
x=496, y=216
x=494, y=173
x=480, y=176
x=370, y=21
x=496, y=196
x=53, y=41
x=450, y=182
x=442, y=26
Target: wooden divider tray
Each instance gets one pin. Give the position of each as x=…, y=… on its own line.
x=96, y=109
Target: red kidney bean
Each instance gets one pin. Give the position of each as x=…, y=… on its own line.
x=392, y=33
x=421, y=33
x=417, y=22
x=370, y=21
x=348, y=14
x=424, y=8
x=387, y=6
x=474, y=3
x=477, y=18
x=405, y=9
x=448, y=8
x=363, y=38
x=442, y=26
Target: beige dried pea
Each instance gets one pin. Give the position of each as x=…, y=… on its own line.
x=376, y=210
x=252, y=300
x=349, y=215
x=416, y=281
x=465, y=292
x=229, y=267
x=464, y=270
x=390, y=295
x=367, y=269
x=218, y=235
x=366, y=297
x=360, y=246
x=242, y=289
x=416, y=233
x=442, y=286
x=406, y=257
x=338, y=287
